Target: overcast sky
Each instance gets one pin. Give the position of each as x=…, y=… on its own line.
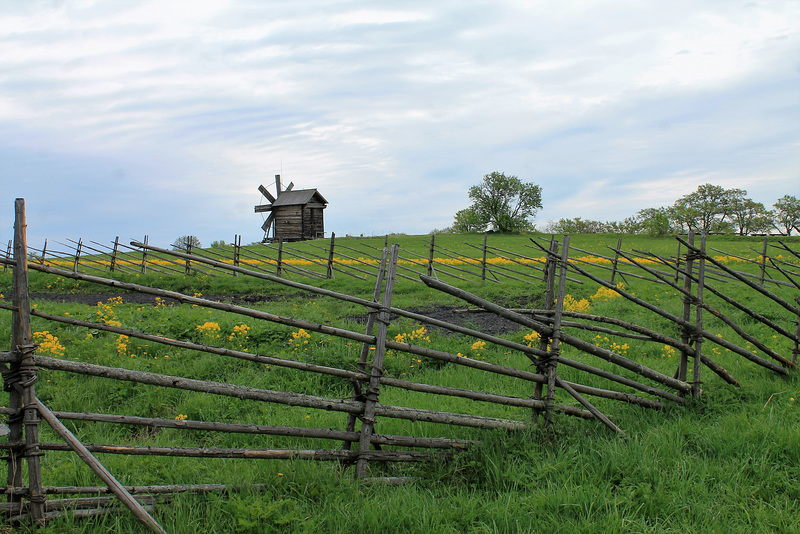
x=131, y=117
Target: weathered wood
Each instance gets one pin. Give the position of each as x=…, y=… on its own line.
x=571, y=340
x=268, y=430
x=376, y=371
x=698, y=342
x=264, y=395
x=73, y=444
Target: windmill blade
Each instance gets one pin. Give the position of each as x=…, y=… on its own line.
x=268, y=223
x=261, y=208
x=266, y=193
x=277, y=185
x=289, y=187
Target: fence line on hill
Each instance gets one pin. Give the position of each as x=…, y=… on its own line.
x=367, y=376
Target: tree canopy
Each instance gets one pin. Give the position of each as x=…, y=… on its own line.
x=505, y=203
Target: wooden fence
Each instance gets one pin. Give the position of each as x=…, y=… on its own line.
x=629, y=381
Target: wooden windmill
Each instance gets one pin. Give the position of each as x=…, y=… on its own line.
x=293, y=215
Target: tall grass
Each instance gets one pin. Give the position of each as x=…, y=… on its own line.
x=726, y=463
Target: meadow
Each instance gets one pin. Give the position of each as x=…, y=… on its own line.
x=728, y=462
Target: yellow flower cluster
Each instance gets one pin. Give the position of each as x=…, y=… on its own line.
x=604, y=341
x=420, y=334
x=123, y=345
x=603, y=293
x=668, y=352
x=106, y=313
x=299, y=340
x=532, y=338
x=239, y=331
x=48, y=343
x=574, y=305
x=209, y=329
x=181, y=417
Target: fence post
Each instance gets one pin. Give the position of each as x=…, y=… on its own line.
x=21, y=378
x=77, y=255
x=237, y=251
x=616, y=259
x=430, y=255
x=188, y=251
x=144, y=256
x=549, y=303
x=364, y=356
x=763, y=260
x=796, y=347
x=555, y=339
x=373, y=390
x=44, y=252
x=114, y=254
x=329, y=274
x=8, y=256
x=698, y=336
x=280, y=255
x=686, y=334
x=483, y=263
x=678, y=263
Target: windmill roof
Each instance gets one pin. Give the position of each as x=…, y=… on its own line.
x=301, y=196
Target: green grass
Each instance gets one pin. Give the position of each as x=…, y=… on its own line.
x=727, y=463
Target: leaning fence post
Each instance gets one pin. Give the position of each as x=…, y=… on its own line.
x=114, y=254
x=796, y=347
x=22, y=377
x=678, y=263
x=237, y=251
x=616, y=259
x=188, y=251
x=373, y=390
x=77, y=255
x=549, y=303
x=365, y=347
x=144, y=256
x=329, y=273
x=44, y=252
x=763, y=260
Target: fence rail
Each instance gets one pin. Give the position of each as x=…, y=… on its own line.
x=629, y=381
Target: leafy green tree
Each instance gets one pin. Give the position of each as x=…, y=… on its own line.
x=186, y=242
x=787, y=214
x=505, y=203
x=468, y=220
x=655, y=222
x=706, y=209
x=750, y=216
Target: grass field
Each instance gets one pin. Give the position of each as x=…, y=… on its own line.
x=729, y=462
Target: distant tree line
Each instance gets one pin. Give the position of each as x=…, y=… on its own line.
x=711, y=209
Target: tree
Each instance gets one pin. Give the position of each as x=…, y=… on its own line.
x=787, y=214
x=750, y=216
x=655, y=221
x=706, y=209
x=505, y=203
x=186, y=242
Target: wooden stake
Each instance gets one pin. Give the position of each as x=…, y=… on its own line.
x=764, y=260
x=371, y=397
x=483, y=263
x=698, y=337
x=329, y=273
x=84, y=454
x=430, y=256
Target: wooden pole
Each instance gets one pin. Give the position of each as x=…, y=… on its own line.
x=237, y=251
x=44, y=252
x=616, y=259
x=21, y=376
x=698, y=336
x=84, y=454
x=686, y=333
x=764, y=260
x=144, y=256
x=371, y=397
x=329, y=273
x=483, y=263
x=678, y=263
x=8, y=256
x=430, y=255
x=114, y=254
x=77, y=255
x=795, y=348
x=279, y=262
x=549, y=303
x=555, y=338
x=364, y=356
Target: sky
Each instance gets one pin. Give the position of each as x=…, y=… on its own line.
x=130, y=118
